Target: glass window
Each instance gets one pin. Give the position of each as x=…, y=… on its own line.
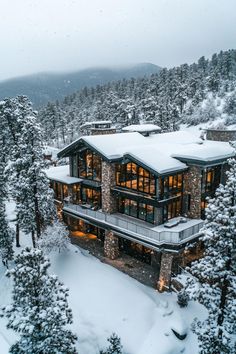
x=132, y=176
x=89, y=165
x=172, y=209
x=170, y=186
x=136, y=209
x=91, y=196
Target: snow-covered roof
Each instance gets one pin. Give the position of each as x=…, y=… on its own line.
x=89, y=124
x=207, y=152
x=157, y=160
x=142, y=128
x=162, y=153
x=61, y=174
x=114, y=145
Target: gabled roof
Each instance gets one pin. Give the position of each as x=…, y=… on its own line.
x=161, y=153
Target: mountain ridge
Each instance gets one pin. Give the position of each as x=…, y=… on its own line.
x=51, y=86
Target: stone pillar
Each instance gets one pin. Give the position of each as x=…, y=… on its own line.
x=156, y=262
x=111, y=245
x=165, y=272
x=109, y=204
x=192, y=187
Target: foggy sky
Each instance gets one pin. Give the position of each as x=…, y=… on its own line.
x=65, y=35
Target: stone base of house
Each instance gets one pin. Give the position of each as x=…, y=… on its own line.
x=111, y=245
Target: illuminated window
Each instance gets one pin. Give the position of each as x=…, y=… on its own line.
x=170, y=185
x=91, y=196
x=134, y=177
x=89, y=165
x=136, y=209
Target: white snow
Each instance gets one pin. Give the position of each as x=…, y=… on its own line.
x=104, y=300
x=61, y=174
x=208, y=151
x=50, y=150
x=141, y=128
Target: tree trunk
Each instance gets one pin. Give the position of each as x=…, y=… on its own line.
x=37, y=213
x=17, y=235
x=33, y=239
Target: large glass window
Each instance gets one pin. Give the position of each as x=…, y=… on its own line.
x=211, y=178
x=169, y=186
x=134, y=177
x=73, y=162
x=89, y=165
x=60, y=190
x=172, y=209
x=136, y=209
x=91, y=196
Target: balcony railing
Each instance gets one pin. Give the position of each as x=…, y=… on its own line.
x=176, y=235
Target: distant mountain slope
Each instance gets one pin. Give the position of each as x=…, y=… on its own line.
x=202, y=92
x=44, y=87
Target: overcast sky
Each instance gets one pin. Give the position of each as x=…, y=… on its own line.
x=59, y=35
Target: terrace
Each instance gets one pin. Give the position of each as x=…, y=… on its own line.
x=172, y=237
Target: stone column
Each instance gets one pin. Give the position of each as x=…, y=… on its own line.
x=111, y=245
x=192, y=187
x=156, y=262
x=165, y=272
x=108, y=181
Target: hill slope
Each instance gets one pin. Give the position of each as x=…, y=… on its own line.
x=44, y=87
x=192, y=94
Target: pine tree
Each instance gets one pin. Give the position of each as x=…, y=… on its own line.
x=115, y=346
x=28, y=181
x=214, y=276
x=39, y=311
x=6, y=233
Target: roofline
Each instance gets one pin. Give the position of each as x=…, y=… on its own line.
x=130, y=157
x=202, y=162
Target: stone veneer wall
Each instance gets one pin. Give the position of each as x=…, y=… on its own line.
x=111, y=245
x=165, y=272
x=192, y=186
x=109, y=204
x=220, y=135
x=107, y=131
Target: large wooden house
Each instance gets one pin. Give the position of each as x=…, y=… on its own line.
x=147, y=193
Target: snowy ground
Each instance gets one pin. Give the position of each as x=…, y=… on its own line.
x=105, y=300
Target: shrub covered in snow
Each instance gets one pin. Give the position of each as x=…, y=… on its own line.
x=54, y=238
x=183, y=298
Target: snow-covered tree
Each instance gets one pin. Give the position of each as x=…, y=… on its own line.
x=214, y=276
x=6, y=233
x=27, y=179
x=54, y=238
x=39, y=311
x=115, y=346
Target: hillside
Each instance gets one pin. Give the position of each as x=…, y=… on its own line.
x=44, y=87
x=201, y=92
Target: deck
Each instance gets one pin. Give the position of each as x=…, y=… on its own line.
x=149, y=235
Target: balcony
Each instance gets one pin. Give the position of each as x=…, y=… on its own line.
x=152, y=236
